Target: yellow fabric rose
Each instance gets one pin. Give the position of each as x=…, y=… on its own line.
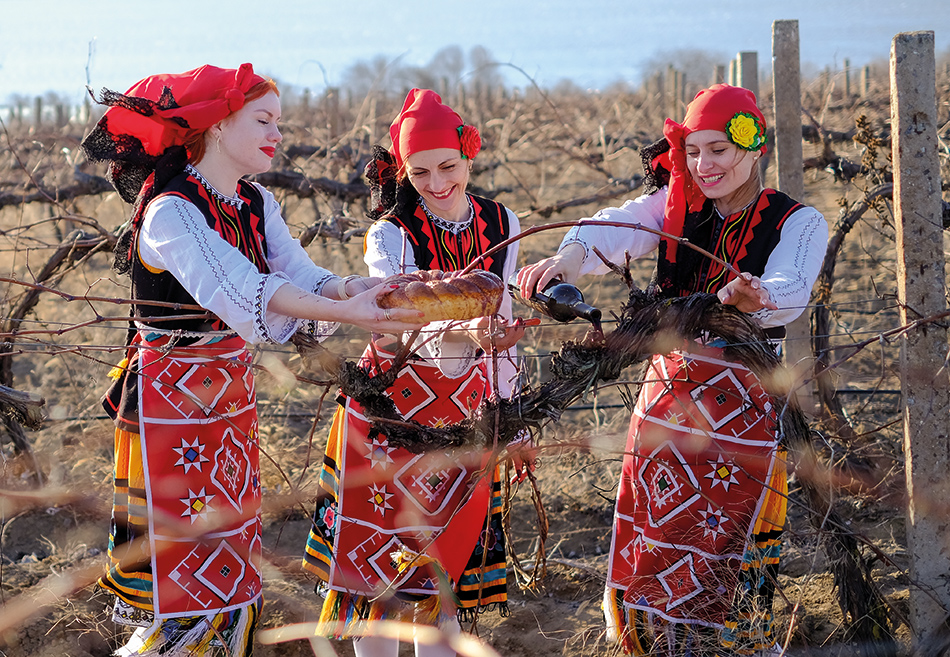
x=743, y=130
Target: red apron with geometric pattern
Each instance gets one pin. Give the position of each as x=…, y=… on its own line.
x=198, y=427
x=701, y=446
x=434, y=504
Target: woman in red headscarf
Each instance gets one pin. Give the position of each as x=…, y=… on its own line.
x=408, y=536
x=702, y=498
x=186, y=532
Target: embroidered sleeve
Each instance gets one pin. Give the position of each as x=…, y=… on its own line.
x=388, y=250
x=613, y=241
x=176, y=238
x=287, y=256
x=793, y=266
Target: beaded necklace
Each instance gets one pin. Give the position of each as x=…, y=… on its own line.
x=454, y=227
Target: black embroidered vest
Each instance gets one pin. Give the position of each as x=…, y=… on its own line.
x=242, y=227
x=435, y=248
x=745, y=240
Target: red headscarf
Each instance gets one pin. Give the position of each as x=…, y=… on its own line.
x=202, y=97
x=721, y=107
x=425, y=123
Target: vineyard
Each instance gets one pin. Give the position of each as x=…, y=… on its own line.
x=551, y=156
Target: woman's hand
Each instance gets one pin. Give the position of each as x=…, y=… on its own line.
x=485, y=333
x=565, y=264
x=746, y=293
x=362, y=311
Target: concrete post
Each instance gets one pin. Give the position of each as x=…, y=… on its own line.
x=787, y=94
x=823, y=81
x=684, y=95
x=659, y=87
x=865, y=81
x=847, y=79
x=748, y=71
x=719, y=74
x=733, y=77
x=37, y=112
x=672, y=92
x=920, y=292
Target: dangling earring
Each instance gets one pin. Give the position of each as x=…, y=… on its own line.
x=217, y=142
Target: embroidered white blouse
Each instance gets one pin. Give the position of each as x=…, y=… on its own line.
x=175, y=237
x=389, y=252
x=790, y=271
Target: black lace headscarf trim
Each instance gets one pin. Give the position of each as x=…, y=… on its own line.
x=655, y=174
x=387, y=195
x=137, y=176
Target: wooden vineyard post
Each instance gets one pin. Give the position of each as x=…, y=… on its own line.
x=673, y=93
x=787, y=93
x=333, y=112
x=920, y=291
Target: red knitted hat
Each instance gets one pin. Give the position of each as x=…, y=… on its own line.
x=426, y=123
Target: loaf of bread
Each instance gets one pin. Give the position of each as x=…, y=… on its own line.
x=445, y=295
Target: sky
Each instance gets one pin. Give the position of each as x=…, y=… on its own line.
x=55, y=45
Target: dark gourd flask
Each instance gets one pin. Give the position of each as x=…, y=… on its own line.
x=560, y=301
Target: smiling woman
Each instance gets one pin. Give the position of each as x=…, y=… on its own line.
x=440, y=513
x=185, y=544
x=723, y=171
x=703, y=490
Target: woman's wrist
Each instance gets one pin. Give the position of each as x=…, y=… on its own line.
x=341, y=292
x=574, y=251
